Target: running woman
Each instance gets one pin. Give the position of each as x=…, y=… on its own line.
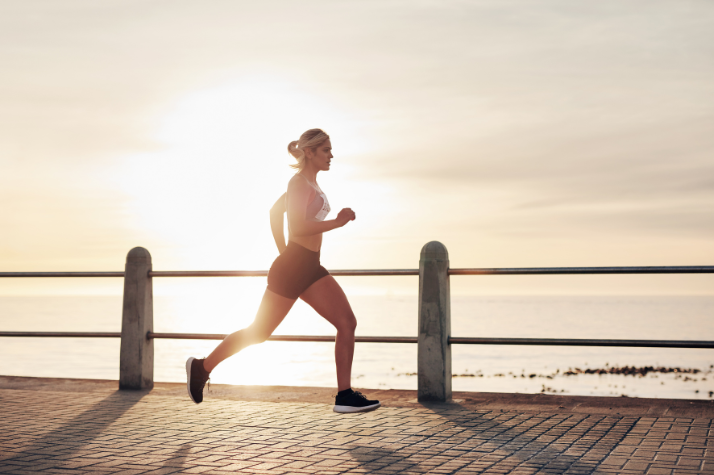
x=297, y=273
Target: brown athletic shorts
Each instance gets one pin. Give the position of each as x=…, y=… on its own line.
x=296, y=269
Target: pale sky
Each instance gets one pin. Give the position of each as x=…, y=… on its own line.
x=518, y=133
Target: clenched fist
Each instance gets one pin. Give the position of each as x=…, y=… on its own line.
x=345, y=216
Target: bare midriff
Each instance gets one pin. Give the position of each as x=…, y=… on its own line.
x=313, y=242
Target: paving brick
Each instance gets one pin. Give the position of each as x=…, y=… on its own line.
x=688, y=462
x=659, y=471
x=636, y=465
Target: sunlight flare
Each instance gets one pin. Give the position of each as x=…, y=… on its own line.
x=221, y=164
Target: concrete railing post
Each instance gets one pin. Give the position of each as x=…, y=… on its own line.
x=136, y=360
x=434, y=360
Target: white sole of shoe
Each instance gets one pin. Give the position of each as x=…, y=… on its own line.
x=188, y=377
x=350, y=409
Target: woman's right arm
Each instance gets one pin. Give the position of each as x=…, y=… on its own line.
x=276, y=223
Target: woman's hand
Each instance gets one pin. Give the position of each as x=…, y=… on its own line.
x=345, y=216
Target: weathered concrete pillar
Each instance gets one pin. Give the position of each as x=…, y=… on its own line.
x=136, y=360
x=434, y=360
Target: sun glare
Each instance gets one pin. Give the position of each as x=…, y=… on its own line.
x=221, y=164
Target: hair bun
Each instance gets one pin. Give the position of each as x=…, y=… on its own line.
x=294, y=150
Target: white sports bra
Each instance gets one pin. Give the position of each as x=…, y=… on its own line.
x=319, y=207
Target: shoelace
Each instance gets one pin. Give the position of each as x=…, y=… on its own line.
x=356, y=394
x=359, y=395
x=207, y=381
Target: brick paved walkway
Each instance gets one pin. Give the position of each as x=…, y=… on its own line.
x=132, y=432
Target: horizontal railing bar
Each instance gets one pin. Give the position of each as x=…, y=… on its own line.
x=209, y=273
x=585, y=270
x=582, y=342
x=391, y=339
x=308, y=338
x=64, y=334
x=378, y=272
x=474, y=271
x=263, y=273
x=209, y=336
x=61, y=274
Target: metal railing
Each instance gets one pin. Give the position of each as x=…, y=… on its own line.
x=434, y=372
x=452, y=340
x=378, y=272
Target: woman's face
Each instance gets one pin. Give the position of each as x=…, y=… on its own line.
x=321, y=156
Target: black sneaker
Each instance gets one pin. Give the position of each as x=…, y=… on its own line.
x=196, y=377
x=353, y=401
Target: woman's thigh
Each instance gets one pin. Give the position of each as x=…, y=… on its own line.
x=329, y=300
x=272, y=311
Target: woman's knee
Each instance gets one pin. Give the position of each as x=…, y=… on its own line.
x=348, y=323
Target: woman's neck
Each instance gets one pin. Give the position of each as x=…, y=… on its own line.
x=309, y=173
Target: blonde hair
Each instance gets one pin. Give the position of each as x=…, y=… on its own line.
x=308, y=140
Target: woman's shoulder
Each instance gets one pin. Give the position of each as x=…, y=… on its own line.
x=298, y=183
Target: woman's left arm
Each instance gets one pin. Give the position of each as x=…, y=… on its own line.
x=276, y=222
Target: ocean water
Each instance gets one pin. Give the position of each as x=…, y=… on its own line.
x=480, y=368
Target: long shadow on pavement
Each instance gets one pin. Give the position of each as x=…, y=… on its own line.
x=54, y=448
x=498, y=441
x=178, y=458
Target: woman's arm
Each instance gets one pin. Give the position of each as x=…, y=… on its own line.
x=300, y=193
x=276, y=223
